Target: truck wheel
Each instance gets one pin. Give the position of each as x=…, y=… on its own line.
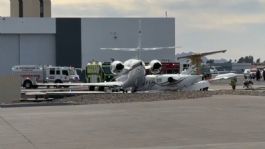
x=91, y=88
x=58, y=81
x=205, y=89
x=27, y=84
x=101, y=88
x=35, y=86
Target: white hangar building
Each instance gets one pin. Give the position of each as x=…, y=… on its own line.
x=77, y=41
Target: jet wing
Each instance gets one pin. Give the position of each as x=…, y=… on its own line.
x=165, y=80
x=157, y=48
x=224, y=76
x=214, y=52
x=103, y=84
x=120, y=49
x=202, y=54
x=136, y=49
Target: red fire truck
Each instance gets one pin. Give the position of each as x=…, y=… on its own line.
x=170, y=68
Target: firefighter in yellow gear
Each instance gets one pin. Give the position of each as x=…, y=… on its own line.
x=233, y=83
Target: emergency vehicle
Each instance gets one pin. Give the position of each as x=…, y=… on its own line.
x=170, y=68
x=98, y=72
x=108, y=75
x=94, y=72
x=167, y=68
x=31, y=75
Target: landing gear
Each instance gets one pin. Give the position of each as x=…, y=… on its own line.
x=101, y=88
x=133, y=90
x=91, y=88
x=205, y=89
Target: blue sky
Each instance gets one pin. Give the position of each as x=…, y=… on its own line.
x=201, y=25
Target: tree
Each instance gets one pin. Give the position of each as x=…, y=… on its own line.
x=258, y=61
x=241, y=60
x=246, y=59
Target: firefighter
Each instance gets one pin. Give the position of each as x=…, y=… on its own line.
x=233, y=83
x=263, y=74
x=258, y=75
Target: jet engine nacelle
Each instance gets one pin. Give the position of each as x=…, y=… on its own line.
x=155, y=66
x=117, y=67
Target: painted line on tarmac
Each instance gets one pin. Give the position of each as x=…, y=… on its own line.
x=20, y=105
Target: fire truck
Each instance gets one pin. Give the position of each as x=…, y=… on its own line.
x=108, y=75
x=167, y=68
x=170, y=68
x=94, y=72
x=31, y=75
x=98, y=72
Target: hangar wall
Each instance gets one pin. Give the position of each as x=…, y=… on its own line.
x=37, y=49
x=26, y=41
x=9, y=56
x=27, y=25
x=30, y=49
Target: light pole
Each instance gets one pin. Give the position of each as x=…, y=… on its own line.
x=19, y=49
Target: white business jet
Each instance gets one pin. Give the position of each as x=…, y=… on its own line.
x=131, y=77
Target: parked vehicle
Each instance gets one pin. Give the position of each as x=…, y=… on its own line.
x=107, y=75
x=170, y=68
x=97, y=72
x=218, y=70
x=206, y=72
x=250, y=73
x=94, y=72
x=31, y=75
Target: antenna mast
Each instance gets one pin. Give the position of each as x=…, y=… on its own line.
x=140, y=33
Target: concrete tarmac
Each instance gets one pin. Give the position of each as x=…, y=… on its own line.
x=218, y=122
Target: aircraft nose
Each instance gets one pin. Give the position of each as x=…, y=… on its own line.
x=138, y=64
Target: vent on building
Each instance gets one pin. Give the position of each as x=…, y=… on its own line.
x=20, y=2
x=41, y=8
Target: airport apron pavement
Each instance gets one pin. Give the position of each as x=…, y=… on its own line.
x=217, y=122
